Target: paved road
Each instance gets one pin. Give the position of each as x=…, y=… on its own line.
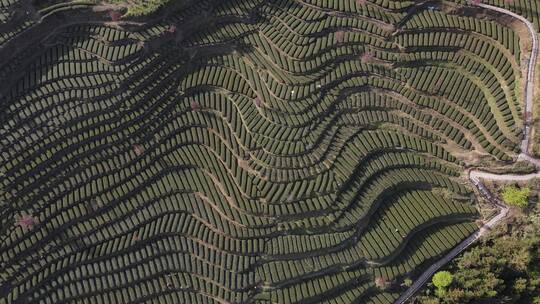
x=529, y=89
x=476, y=175
x=504, y=177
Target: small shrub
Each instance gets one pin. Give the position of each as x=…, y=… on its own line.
x=257, y=101
x=340, y=36
x=195, y=105
x=407, y=282
x=138, y=149
x=367, y=57
x=172, y=29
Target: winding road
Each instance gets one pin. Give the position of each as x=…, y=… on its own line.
x=503, y=177
x=476, y=176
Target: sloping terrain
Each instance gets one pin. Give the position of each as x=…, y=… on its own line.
x=285, y=151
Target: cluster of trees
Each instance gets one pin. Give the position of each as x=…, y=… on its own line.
x=502, y=268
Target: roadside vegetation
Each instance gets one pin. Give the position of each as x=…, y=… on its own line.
x=133, y=8
x=520, y=167
x=502, y=268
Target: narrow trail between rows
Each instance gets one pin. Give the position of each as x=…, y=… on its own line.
x=476, y=176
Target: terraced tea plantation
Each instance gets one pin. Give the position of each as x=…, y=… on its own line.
x=282, y=151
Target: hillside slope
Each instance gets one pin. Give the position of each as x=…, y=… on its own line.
x=276, y=151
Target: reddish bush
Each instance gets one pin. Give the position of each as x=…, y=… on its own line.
x=380, y=282
x=143, y=45
x=27, y=221
x=340, y=36
x=139, y=150
x=172, y=29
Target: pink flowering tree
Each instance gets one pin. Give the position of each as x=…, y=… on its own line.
x=172, y=29
x=115, y=15
x=27, y=221
x=195, y=105
x=257, y=101
x=138, y=149
x=367, y=57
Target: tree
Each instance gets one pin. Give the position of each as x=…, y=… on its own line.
x=515, y=196
x=520, y=285
x=442, y=279
x=454, y=295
